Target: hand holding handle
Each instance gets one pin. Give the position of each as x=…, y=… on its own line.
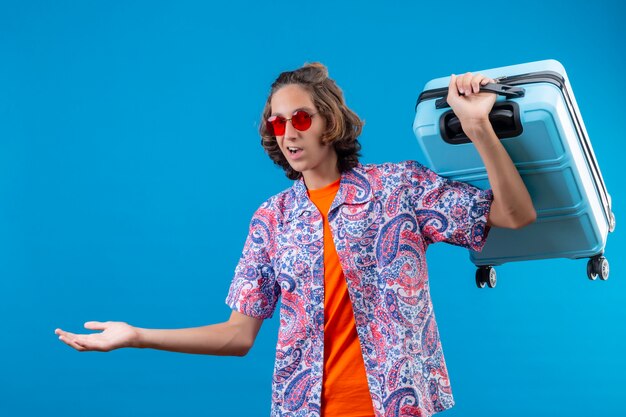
x=507, y=91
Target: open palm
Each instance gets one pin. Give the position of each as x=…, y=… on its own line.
x=114, y=335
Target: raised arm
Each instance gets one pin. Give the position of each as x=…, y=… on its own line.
x=234, y=337
x=512, y=206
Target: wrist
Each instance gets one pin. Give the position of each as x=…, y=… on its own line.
x=477, y=129
x=138, y=338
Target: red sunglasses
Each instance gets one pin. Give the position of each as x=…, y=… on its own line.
x=300, y=119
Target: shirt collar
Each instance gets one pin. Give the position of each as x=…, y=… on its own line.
x=354, y=189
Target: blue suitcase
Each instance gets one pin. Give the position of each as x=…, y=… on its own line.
x=538, y=121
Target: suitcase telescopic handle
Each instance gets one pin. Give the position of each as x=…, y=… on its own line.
x=507, y=91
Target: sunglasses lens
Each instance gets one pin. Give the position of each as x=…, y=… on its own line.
x=276, y=125
x=301, y=120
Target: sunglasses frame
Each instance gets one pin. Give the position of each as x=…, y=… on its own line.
x=269, y=123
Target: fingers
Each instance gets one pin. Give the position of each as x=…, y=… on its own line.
x=75, y=345
x=95, y=325
x=452, y=88
x=82, y=342
x=468, y=83
x=70, y=339
x=460, y=85
x=475, y=83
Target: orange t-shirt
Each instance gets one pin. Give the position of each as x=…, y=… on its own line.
x=345, y=390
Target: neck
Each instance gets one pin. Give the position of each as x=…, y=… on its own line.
x=322, y=175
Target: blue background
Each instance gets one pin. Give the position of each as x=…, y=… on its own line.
x=130, y=166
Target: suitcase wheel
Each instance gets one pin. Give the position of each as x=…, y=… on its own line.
x=486, y=275
x=598, y=266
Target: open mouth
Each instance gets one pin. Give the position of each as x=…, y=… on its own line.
x=294, y=150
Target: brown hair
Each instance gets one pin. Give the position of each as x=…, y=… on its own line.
x=343, y=126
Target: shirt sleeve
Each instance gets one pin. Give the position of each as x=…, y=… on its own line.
x=254, y=290
x=450, y=211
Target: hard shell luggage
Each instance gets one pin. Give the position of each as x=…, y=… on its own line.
x=538, y=122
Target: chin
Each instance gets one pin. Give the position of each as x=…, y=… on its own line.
x=298, y=167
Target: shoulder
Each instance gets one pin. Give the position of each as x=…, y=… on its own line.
x=277, y=206
x=391, y=168
x=396, y=173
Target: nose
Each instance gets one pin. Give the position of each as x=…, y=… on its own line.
x=290, y=131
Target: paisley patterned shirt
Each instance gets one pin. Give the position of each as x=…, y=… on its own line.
x=382, y=220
